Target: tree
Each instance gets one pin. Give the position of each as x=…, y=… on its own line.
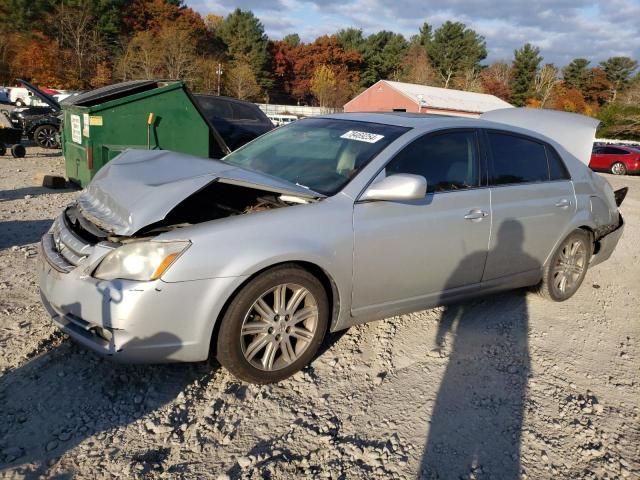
x=424, y=36
x=323, y=84
x=241, y=82
x=292, y=40
x=382, y=53
x=620, y=121
x=351, y=39
x=247, y=44
x=454, y=49
x=495, y=80
x=545, y=79
x=576, y=73
x=324, y=50
x=598, y=87
x=568, y=99
x=416, y=67
x=524, y=68
x=619, y=71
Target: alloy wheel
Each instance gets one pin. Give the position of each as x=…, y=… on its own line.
x=618, y=168
x=46, y=137
x=569, y=267
x=279, y=327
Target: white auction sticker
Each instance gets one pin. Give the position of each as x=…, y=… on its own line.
x=76, y=129
x=362, y=136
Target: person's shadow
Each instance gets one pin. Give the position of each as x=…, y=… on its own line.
x=476, y=422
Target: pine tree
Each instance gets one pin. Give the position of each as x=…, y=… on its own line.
x=619, y=71
x=576, y=74
x=455, y=49
x=525, y=65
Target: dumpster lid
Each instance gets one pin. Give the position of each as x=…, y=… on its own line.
x=48, y=99
x=111, y=92
x=140, y=187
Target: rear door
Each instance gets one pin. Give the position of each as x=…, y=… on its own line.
x=532, y=200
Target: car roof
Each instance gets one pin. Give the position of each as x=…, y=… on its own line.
x=406, y=119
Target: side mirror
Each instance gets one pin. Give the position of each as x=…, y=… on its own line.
x=402, y=186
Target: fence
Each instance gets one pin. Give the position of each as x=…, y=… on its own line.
x=299, y=111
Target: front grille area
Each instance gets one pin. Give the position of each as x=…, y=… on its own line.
x=63, y=248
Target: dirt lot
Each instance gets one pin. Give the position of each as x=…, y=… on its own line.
x=510, y=386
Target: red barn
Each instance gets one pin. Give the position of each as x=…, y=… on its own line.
x=388, y=96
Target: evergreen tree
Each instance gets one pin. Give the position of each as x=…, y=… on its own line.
x=247, y=43
x=576, y=74
x=351, y=39
x=619, y=71
x=292, y=40
x=454, y=49
x=382, y=53
x=525, y=65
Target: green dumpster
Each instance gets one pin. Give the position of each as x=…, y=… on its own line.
x=146, y=114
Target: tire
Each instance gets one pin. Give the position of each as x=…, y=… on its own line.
x=18, y=151
x=3, y=149
x=259, y=341
x=570, y=262
x=619, y=168
x=19, y=103
x=45, y=136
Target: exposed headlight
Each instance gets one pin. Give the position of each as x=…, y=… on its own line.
x=141, y=261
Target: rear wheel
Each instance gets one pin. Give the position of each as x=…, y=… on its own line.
x=567, y=268
x=3, y=149
x=618, y=168
x=46, y=136
x=274, y=325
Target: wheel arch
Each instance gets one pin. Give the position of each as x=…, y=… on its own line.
x=327, y=281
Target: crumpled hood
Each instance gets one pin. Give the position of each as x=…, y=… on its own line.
x=140, y=187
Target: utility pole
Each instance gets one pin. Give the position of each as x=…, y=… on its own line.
x=219, y=73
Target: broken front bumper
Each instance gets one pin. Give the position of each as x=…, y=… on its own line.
x=151, y=322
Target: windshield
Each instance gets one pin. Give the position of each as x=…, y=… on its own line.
x=322, y=154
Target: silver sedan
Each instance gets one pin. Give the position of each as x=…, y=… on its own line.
x=319, y=225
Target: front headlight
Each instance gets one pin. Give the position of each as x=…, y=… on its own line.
x=141, y=261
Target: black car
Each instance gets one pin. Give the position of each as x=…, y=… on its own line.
x=237, y=121
x=39, y=123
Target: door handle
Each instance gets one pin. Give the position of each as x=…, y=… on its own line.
x=564, y=203
x=476, y=214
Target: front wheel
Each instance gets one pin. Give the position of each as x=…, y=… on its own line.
x=618, y=168
x=274, y=325
x=46, y=136
x=567, y=268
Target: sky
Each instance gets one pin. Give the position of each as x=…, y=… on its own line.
x=563, y=29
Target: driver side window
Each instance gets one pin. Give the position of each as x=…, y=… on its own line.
x=449, y=161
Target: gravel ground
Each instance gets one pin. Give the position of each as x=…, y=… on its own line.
x=510, y=386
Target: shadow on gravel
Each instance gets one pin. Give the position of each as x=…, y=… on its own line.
x=67, y=395
x=476, y=423
x=22, y=232
x=20, y=193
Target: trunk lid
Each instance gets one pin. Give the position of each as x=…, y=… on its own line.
x=140, y=187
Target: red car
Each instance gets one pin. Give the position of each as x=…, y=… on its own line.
x=615, y=159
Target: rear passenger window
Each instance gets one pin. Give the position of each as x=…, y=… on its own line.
x=517, y=160
x=557, y=169
x=449, y=161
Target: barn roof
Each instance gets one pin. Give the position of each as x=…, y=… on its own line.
x=447, y=98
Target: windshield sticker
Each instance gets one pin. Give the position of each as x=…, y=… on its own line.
x=362, y=136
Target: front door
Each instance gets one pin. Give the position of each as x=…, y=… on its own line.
x=407, y=253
